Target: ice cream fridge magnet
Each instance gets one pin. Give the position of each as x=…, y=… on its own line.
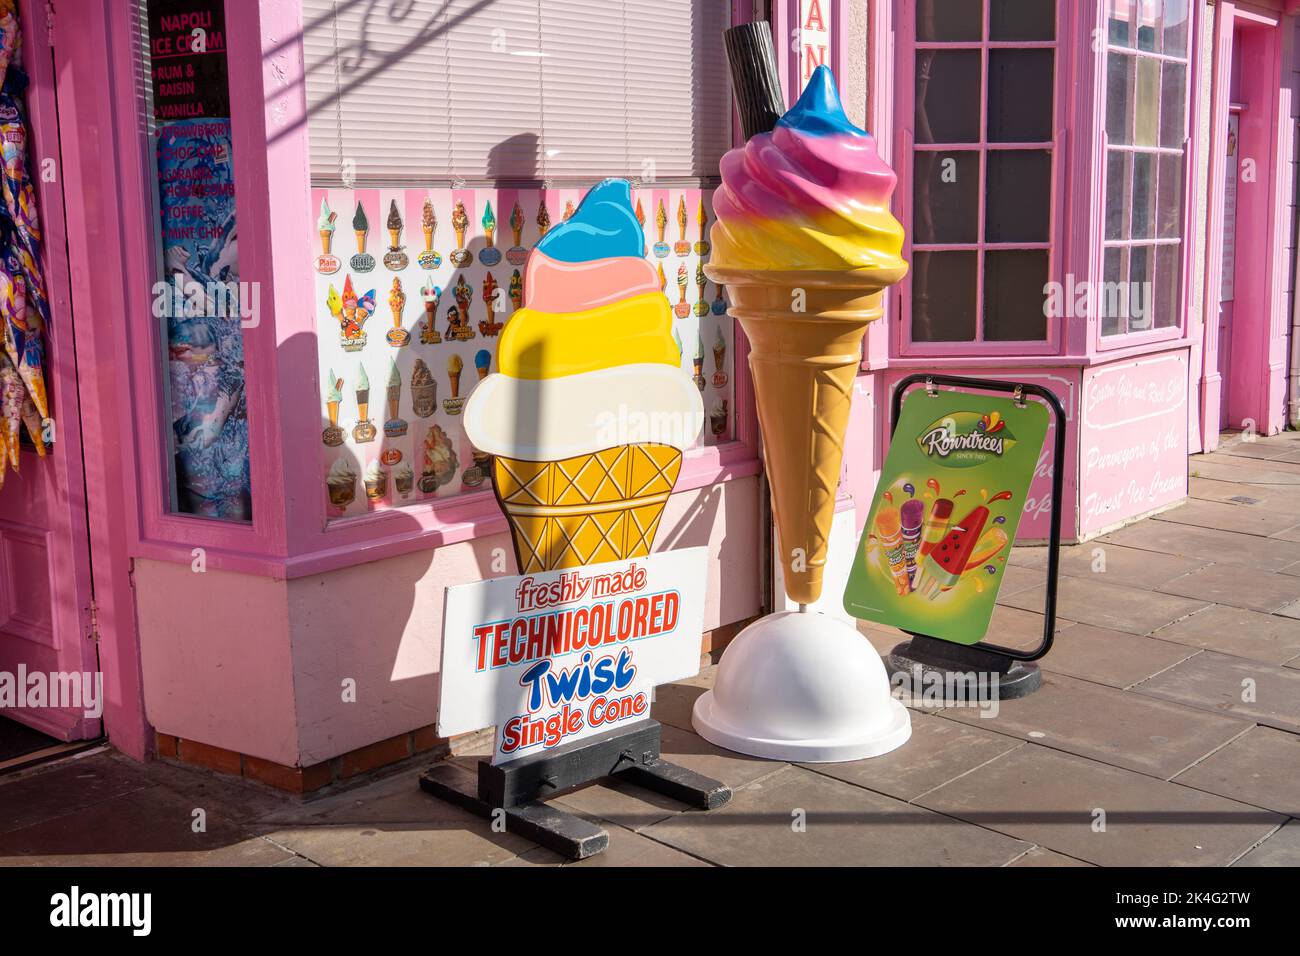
x=394, y=425
x=430, y=296
x=333, y=435
x=701, y=281
x=458, y=321
x=327, y=263
x=362, y=261
x=424, y=390
x=702, y=246
x=397, y=336
x=439, y=461
x=661, y=226
x=428, y=258
x=682, y=247
x=517, y=255
x=803, y=204
x=454, y=402
x=460, y=256
x=719, y=360
x=364, y=430
x=341, y=484
x=395, y=259
x=351, y=312
x=490, y=327
x=489, y=255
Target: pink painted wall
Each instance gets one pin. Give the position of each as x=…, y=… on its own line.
x=257, y=665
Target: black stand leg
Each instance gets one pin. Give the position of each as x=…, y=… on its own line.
x=964, y=673
x=515, y=787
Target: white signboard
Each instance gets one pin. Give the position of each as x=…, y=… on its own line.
x=552, y=657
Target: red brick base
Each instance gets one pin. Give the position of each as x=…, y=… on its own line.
x=301, y=779
x=355, y=762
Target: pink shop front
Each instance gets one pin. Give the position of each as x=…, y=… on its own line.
x=250, y=521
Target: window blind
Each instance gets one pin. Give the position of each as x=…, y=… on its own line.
x=515, y=91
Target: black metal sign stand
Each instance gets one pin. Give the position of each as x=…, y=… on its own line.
x=961, y=670
x=516, y=787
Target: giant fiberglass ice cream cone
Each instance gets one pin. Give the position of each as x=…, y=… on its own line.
x=805, y=243
x=586, y=366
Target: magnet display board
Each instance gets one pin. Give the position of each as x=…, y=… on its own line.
x=934, y=548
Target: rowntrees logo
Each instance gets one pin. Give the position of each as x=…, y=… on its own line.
x=967, y=439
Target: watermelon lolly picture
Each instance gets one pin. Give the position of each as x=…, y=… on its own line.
x=946, y=563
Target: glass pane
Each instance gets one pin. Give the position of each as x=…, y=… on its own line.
x=1144, y=196
x=1138, y=299
x=1147, y=12
x=1120, y=70
x=948, y=96
x=1022, y=20
x=1117, y=25
x=1117, y=195
x=1169, y=197
x=943, y=297
x=1173, y=93
x=1013, y=295
x=1175, y=27
x=1112, y=295
x=1019, y=195
x=1147, y=100
x=949, y=20
x=945, y=198
x=1020, y=96
x=1169, y=260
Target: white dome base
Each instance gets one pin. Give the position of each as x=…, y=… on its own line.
x=802, y=686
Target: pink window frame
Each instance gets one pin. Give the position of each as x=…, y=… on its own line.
x=1144, y=337
x=905, y=149
x=289, y=535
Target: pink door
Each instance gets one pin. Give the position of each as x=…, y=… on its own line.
x=45, y=596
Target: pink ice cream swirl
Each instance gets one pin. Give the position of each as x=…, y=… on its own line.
x=813, y=194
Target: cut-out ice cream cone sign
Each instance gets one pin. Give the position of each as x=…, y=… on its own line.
x=805, y=207
x=590, y=411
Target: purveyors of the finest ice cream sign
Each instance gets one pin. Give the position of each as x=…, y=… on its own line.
x=555, y=656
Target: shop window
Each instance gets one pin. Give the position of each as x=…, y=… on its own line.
x=982, y=169
x=199, y=303
x=1147, y=93
x=446, y=136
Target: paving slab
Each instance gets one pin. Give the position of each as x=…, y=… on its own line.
x=1022, y=629
x=1113, y=606
x=1290, y=534
x=1049, y=798
x=1110, y=725
x=1109, y=657
x=1217, y=682
x=44, y=793
x=625, y=849
x=1040, y=857
x=1261, y=767
x=938, y=751
x=1239, y=469
x=1282, y=848
x=1115, y=564
x=842, y=825
x=1291, y=610
x=1261, y=519
x=1220, y=547
x=1214, y=489
x=150, y=827
x=1018, y=577
x=1258, y=449
x=1239, y=632
x=391, y=823
x=1236, y=586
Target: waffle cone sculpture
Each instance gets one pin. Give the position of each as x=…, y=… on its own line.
x=586, y=366
x=805, y=243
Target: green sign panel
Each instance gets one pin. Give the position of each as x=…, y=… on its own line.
x=950, y=497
